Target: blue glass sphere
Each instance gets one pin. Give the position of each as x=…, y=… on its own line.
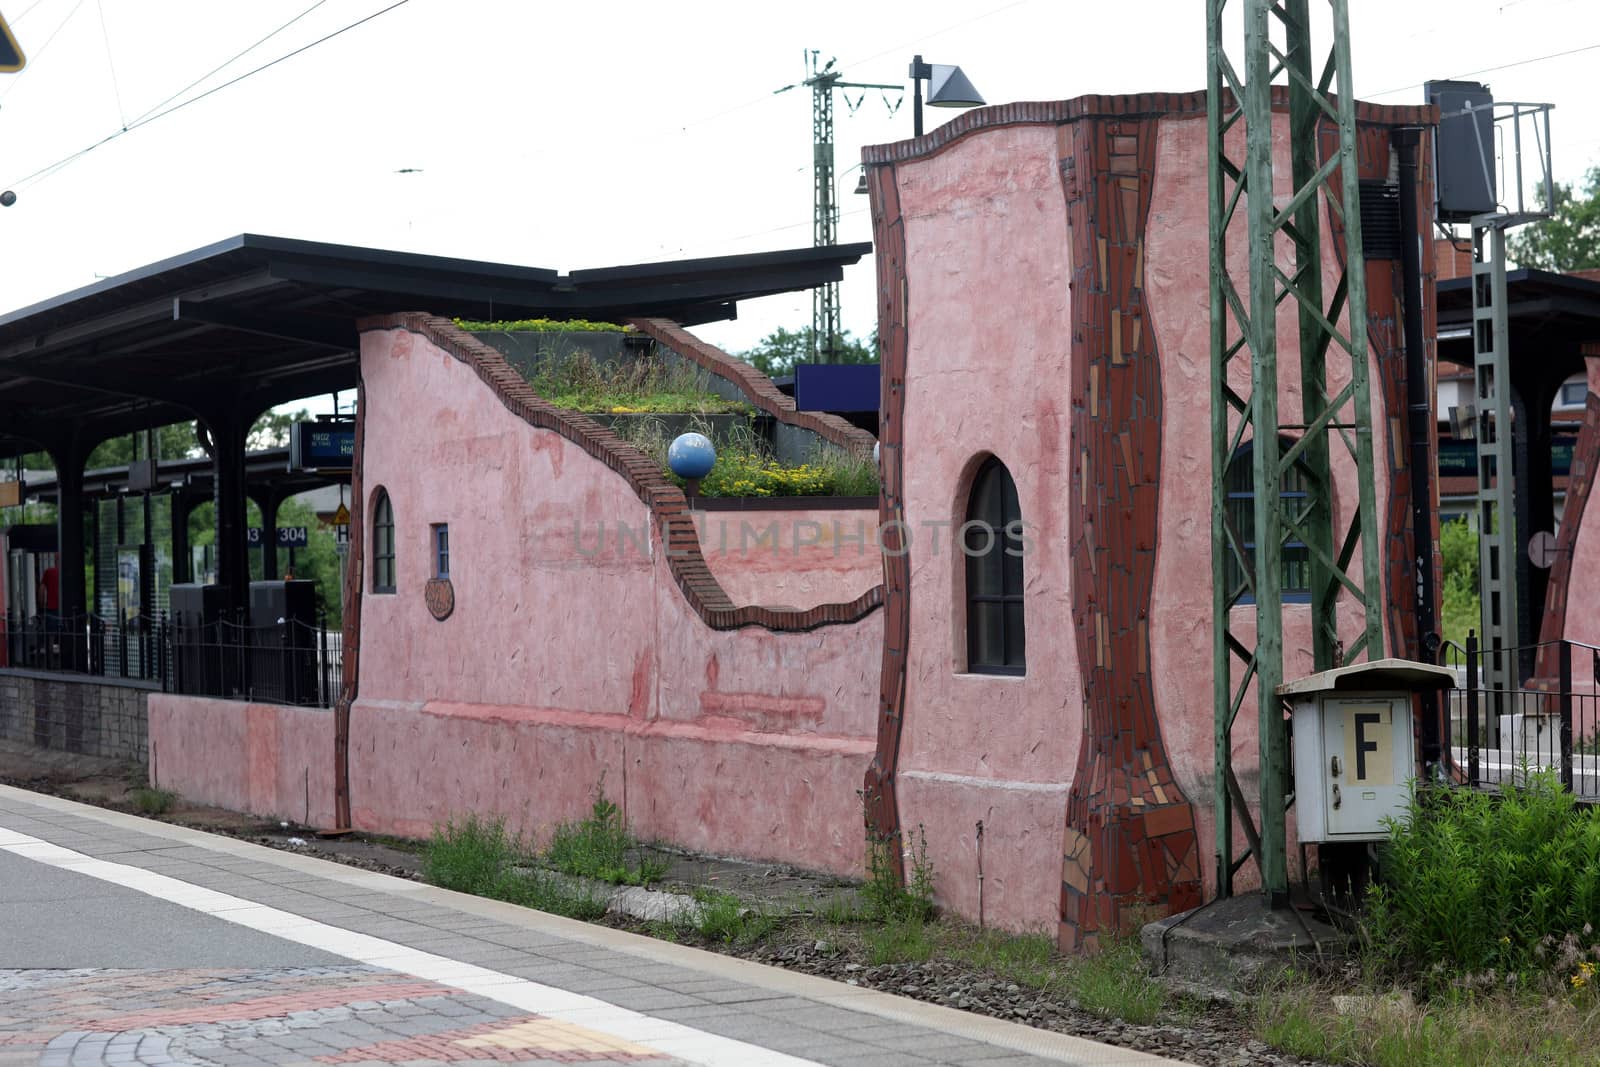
x=691, y=455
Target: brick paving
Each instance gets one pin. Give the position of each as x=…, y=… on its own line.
x=302, y=1015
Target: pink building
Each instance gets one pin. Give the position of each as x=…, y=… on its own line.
x=537, y=610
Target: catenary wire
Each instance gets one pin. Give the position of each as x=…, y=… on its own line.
x=46, y=171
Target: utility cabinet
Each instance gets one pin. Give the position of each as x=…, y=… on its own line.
x=1355, y=751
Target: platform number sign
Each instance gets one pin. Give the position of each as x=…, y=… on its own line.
x=1368, y=744
x=11, y=57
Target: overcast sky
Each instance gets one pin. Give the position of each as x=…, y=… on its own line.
x=572, y=135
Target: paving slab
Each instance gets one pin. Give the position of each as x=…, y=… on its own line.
x=393, y=971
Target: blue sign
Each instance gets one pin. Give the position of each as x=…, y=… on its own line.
x=322, y=446
x=836, y=386
x=286, y=537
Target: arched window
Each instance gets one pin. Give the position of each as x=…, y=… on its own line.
x=991, y=540
x=382, y=543
x=1241, y=513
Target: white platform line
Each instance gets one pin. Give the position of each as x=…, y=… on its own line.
x=668, y=1037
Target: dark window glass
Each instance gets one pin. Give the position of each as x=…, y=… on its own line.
x=991, y=541
x=1574, y=393
x=1296, y=559
x=382, y=544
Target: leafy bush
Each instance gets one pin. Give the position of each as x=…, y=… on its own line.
x=1475, y=883
x=602, y=847
x=1458, y=549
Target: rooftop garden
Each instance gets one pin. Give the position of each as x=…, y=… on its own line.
x=597, y=381
x=541, y=326
x=746, y=467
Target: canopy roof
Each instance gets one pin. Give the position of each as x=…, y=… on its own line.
x=251, y=321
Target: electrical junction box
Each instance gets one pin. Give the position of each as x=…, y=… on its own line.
x=1355, y=746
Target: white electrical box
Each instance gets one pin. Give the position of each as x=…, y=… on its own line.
x=1355, y=746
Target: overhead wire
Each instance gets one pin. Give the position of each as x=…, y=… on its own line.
x=150, y=117
x=1502, y=66
x=231, y=60
x=116, y=90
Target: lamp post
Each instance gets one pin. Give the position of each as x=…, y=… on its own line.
x=947, y=87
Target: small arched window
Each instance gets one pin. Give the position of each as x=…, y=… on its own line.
x=382, y=543
x=1296, y=559
x=991, y=541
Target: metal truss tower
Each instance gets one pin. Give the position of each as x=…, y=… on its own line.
x=1526, y=162
x=825, y=329
x=1277, y=41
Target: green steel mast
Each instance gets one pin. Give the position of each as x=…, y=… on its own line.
x=1277, y=41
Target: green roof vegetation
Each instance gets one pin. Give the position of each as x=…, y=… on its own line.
x=541, y=326
x=578, y=381
x=746, y=467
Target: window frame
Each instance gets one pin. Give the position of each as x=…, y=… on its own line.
x=1582, y=388
x=383, y=562
x=439, y=539
x=1006, y=506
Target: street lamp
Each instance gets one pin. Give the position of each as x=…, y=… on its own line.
x=947, y=87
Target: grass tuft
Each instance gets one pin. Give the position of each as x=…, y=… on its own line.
x=151, y=801
x=1114, y=983
x=477, y=854
x=601, y=846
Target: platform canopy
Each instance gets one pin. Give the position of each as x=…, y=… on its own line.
x=251, y=322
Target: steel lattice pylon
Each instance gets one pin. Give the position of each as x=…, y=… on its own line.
x=825, y=328
x=1243, y=321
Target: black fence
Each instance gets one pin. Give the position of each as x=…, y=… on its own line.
x=289, y=662
x=1549, y=723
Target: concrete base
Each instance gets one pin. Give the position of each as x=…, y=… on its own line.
x=1228, y=947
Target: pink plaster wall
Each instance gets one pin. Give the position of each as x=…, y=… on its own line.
x=572, y=656
x=266, y=759
x=1176, y=282
x=988, y=281
x=987, y=276
x=795, y=558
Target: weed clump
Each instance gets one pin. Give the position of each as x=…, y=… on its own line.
x=151, y=801
x=601, y=846
x=477, y=854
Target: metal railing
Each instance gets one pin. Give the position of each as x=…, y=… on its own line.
x=1549, y=723
x=289, y=662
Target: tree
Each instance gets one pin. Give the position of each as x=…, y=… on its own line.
x=1570, y=238
x=780, y=350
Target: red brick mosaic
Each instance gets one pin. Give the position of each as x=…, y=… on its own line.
x=889, y=244
x=1130, y=834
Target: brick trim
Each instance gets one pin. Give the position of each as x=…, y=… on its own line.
x=669, y=510
x=878, y=788
x=355, y=583
x=1136, y=105
x=757, y=387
